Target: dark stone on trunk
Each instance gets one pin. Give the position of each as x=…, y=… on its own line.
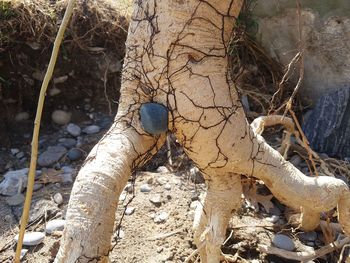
x=328, y=126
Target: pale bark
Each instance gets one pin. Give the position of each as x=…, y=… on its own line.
x=177, y=56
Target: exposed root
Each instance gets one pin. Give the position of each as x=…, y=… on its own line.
x=304, y=255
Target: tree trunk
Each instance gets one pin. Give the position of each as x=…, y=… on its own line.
x=176, y=55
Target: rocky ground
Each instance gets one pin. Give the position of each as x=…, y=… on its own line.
x=159, y=205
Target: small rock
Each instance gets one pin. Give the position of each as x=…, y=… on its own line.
x=121, y=233
x=159, y=249
x=129, y=188
x=196, y=176
x=58, y=198
x=32, y=239
x=22, y=116
x=23, y=253
x=14, y=151
x=52, y=155
x=194, y=196
x=67, y=142
x=284, y=242
x=14, y=182
x=194, y=204
x=54, y=91
x=61, y=79
x=73, y=129
x=75, y=154
x=20, y=155
x=309, y=236
x=122, y=196
x=16, y=199
x=154, y=118
x=145, y=188
x=156, y=199
x=129, y=210
x=273, y=219
x=61, y=117
x=161, y=217
x=162, y=169
x=92, y=129
x=167, y=187
x=38, y=75
x=55, y=225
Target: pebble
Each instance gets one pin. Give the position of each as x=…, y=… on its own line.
x=58, y=198
x=162, y=169
x=73, y=129
x=32, y=239
x=167, y=187
x=23, y=253
x=14, y=182
x=129, y=188
x=67, y=142
x=129, y=210
x=61, y=79
x=145, y=188
x=122, y=196
x=54, y=91
x=14, y=151
x=154, y=118
x=16, y=199
x=273, y=219
x=75, y=154
x=196, y=176
x=156, y=199
x=284, y=242
x=52, y=155
x=61, y=117
x=20, y=155
x=161, y=217
x=121, y=233
x=55, y=225
x=92, y=129
x=22, y=116
x=309, y=236
x=194, y=204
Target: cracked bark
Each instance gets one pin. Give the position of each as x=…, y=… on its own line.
x=176, y=55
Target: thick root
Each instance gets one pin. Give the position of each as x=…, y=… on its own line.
x=94, y=198
x=222, y=199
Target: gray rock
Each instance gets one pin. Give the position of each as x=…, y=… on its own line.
x=14, y=182
x=162, y=169
x=122, y=196
x=129, y=210
x=161, y=217
x=156, y=199
x=145, y=188
x=38, y=210
x=14, y=151
x=67, y=142
x=273, y=219
x=20, y=155
x=167, y=187
x=22, y=116
x=61, y=117
x=92, y=129
x=284, y=242
x=37, y=186
x=23, y=253
x=16, y=199
x=74, y=154
x=308, y=236
x=58, y=198
x=55, y=225
x=328, y=126
x=52, y=155
x=73, y=129
x=32, y=239
x=196, y=176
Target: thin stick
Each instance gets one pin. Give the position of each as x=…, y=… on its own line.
x=34, y=153
x=304, y=255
